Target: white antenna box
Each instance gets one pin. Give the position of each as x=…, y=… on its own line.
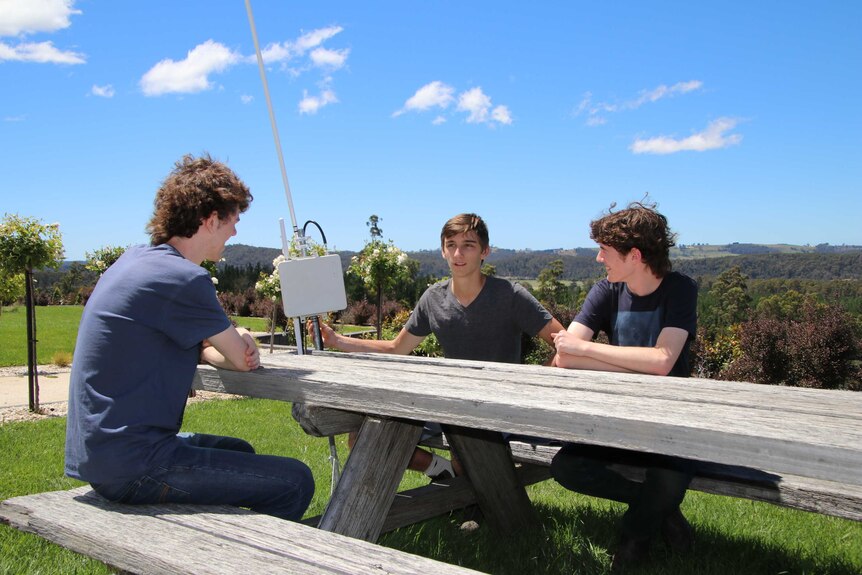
x=312, y=285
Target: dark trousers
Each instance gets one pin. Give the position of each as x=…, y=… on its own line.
x=211, y=470
x=587, y=469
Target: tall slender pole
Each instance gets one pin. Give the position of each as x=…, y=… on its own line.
x=272, y=117
x=32, y=367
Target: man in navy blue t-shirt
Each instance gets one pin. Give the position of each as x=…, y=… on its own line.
x=151, y=318
x=649, y=314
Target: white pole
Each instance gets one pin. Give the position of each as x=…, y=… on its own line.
x=272, y=118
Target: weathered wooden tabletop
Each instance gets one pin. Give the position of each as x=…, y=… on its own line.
x=804, y=432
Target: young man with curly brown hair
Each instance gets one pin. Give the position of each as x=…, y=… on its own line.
x=649, y=314
x=152, y=316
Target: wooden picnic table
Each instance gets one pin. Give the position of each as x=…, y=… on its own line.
x=805, y=433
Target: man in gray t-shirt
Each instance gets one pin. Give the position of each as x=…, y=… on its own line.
x=489, y=329
x=474, y=316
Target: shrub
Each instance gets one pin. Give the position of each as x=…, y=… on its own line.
x=62, y=358
x=817, y=349
x=359, y=312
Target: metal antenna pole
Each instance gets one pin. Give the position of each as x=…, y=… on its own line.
x=297, y=326
x=296, y=231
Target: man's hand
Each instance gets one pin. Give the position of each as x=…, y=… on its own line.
x=252, y=353
x=568, y=342
x=234, y=348
x=327, y=334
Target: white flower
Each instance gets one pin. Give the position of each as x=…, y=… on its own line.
x=215, y=280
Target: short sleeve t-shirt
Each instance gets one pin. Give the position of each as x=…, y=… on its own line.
x=632, y=320
x=137, y=349
x=489, y=329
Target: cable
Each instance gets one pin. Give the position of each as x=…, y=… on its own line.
x=322, y=235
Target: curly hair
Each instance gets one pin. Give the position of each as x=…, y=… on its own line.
x=637, y=226
x=463, y=223
x=195, y=188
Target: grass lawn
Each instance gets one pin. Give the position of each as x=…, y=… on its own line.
x=574, y=534
x=56, y=330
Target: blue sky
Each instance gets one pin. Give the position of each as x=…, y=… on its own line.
x=740, y=119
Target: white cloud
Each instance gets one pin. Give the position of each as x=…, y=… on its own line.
x=246, y=99
x=14, y=118
x=712, y=138
x=663, y=91
x=502, y=115
x=595, y=112
x=40, y=53
x=435, y=94
x=316, y=38
x=311, y=104
x=190, y=75
x=106, y=91
x=281, y=52
x=21, y=17
x=334, y=59
x=273, y=53
x=476, y=104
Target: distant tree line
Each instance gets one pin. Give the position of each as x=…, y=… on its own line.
x=789, y=319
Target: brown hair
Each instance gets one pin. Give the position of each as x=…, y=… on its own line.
x=463, y=223
x=195, y=188
x=637, y=226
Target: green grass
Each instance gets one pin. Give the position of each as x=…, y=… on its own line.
x=574, y=534
x=250, y=323
x=56, y=330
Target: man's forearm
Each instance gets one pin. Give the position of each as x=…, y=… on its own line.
x=349, y=344
x=649, y=360
x=582, y=362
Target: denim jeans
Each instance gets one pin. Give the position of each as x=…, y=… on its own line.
x=211, y=470
x=586, y=469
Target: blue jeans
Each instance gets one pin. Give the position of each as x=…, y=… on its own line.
x=213, y=470
x=586, y=469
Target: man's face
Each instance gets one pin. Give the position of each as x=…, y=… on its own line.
x=464, y=253
x=222, y=232
x=619, y=268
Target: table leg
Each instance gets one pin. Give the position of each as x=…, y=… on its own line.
x=488, y=465
x=371, y=476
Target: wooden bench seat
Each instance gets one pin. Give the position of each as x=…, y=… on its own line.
x=195, y=539
x=816, y=495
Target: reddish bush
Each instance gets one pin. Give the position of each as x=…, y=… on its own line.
x=816, y=349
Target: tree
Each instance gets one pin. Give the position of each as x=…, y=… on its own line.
x=380, y=266
x=375, y=231
x=26, y=245
x=551, y=291
x=728, y=302
x=101, y=259
x=11, y=288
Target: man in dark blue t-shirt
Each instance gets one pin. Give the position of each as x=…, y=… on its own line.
x=649, y=314
x=152, y=316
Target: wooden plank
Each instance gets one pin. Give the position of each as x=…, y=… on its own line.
x=364, y=494
x=324, y=421
x=441, y=497
x=488, y=465
x=673, y=416
x=815, y=495
x=193, y=539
